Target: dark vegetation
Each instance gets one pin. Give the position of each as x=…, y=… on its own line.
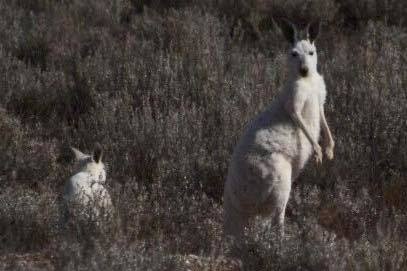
x=166, y=87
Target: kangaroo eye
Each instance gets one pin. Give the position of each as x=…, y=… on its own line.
x=294, y=54
x=311, y=53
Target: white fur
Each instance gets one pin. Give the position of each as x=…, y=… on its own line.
x=275, y=148
x=85, y=192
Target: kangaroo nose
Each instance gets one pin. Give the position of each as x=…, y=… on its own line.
x=304, y=71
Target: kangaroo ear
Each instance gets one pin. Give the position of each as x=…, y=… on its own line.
x=78, y=154
x=313, y=30
x=289, y=30
x=97, y=153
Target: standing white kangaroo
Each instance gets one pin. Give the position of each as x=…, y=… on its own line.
x=279, y=141
x=85, y=193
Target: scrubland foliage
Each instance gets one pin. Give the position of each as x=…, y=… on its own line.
x=166, y=87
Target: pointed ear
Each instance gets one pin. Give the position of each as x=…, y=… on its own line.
x=313, y=30
x=78, y=154
x=289, y=31
x=97, y=153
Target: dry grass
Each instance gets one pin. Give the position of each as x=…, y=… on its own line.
x=167, y=90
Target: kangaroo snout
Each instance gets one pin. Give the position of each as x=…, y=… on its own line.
x=304, y=71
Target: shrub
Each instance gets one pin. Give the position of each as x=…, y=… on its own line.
x=168, y=89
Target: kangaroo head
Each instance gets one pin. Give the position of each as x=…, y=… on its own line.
x=91, y=163
x=302, y=56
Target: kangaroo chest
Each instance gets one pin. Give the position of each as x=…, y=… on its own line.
x=311, y=110
x=314, y=97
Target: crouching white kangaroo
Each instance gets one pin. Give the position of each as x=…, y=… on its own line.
x=85, y=193
x=278, y=142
